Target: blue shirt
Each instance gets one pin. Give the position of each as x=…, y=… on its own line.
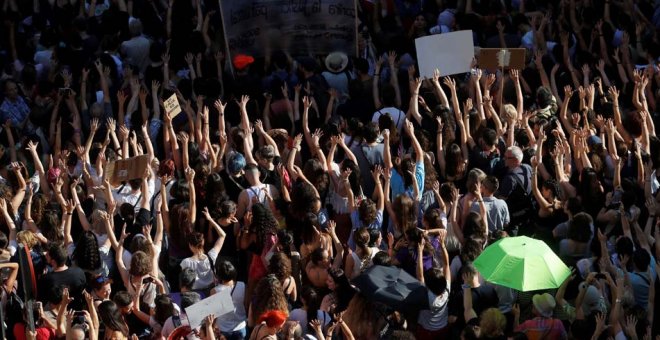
x=357, y=224
x=397, y=184
x=641, y=282
x=17, y=111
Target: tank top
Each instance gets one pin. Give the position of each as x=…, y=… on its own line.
x=258, y=191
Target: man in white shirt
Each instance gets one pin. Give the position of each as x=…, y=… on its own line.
x=137, y=48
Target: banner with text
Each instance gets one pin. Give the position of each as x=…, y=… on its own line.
x=299, y=27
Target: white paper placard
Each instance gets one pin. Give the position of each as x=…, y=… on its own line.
x=451, y=53
x=217, y=304
x=172, y=106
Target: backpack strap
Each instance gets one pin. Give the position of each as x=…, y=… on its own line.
x=176, y=320
x=522, y=183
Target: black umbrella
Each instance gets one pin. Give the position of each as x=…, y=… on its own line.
x=392, y=287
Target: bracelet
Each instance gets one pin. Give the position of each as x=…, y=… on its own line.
x=69, y=214
x=376, y=74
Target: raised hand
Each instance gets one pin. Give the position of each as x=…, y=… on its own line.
x=515, y=75
x=307, y=102
x=259, y=126
x=436, y=75
x=614, y=93
x=568, y=92
x=155, y=85
x=32, y=146
x=409, y=128
x=190, y=174
x=391, y=58
x=451, y=83
x=94, y=125
x=220, y=106
x=206, y=214
x=297, y=141
x=189, y=58
x=316, y=137
x=244, y=100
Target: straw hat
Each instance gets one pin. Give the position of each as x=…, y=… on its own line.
x=336, y=62
x=544, y=304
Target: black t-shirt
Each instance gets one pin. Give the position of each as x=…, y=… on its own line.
x=72, y=277
x=271, y=176
x=233, y=185
x=483, y=297
x=362, y=108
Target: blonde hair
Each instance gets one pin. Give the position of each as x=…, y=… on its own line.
x=492, y=323
x=510, y=112
x=97, y=224
x=28, y=238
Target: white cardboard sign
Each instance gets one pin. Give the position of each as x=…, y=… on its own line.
x=172, y=106
x=217, y=304
x=451, y=53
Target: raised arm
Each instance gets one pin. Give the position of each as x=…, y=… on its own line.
x=394, y=77
x=387, y=155
x=378, y=189
x=439, y=92
x=221, y=233
x=414, y=100
x=103, y=73
x=410, y=129
x=190, y=176
x=515, y=77
x=375, y=84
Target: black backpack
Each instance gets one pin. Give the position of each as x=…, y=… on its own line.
x=521, y=207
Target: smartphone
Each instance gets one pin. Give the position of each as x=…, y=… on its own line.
x=65, y=91
x=148, y=280
x=600, y=276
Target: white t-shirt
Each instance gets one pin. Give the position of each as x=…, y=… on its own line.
x=202, y=268
x=125, y=194
x=435, y=318
x=398, y=116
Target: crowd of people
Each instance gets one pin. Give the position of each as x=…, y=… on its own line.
x=286, y=177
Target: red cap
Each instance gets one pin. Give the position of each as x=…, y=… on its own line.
x=241, y=61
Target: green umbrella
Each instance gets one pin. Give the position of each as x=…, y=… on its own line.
x=522, y=263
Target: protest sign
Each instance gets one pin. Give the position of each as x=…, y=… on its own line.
x=451, y=53
x=172, y=106
x=493, y=59
x=217, y=304
x=127, y=169
x=306, y=27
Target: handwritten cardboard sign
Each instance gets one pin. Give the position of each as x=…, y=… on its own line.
x=172, y=106
x=123, y=170
x=300, y=27
x=217, y=304
x=451, y=53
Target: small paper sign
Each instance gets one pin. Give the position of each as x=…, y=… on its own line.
x=503, y=58
x=172, y=106
x=493, y=59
